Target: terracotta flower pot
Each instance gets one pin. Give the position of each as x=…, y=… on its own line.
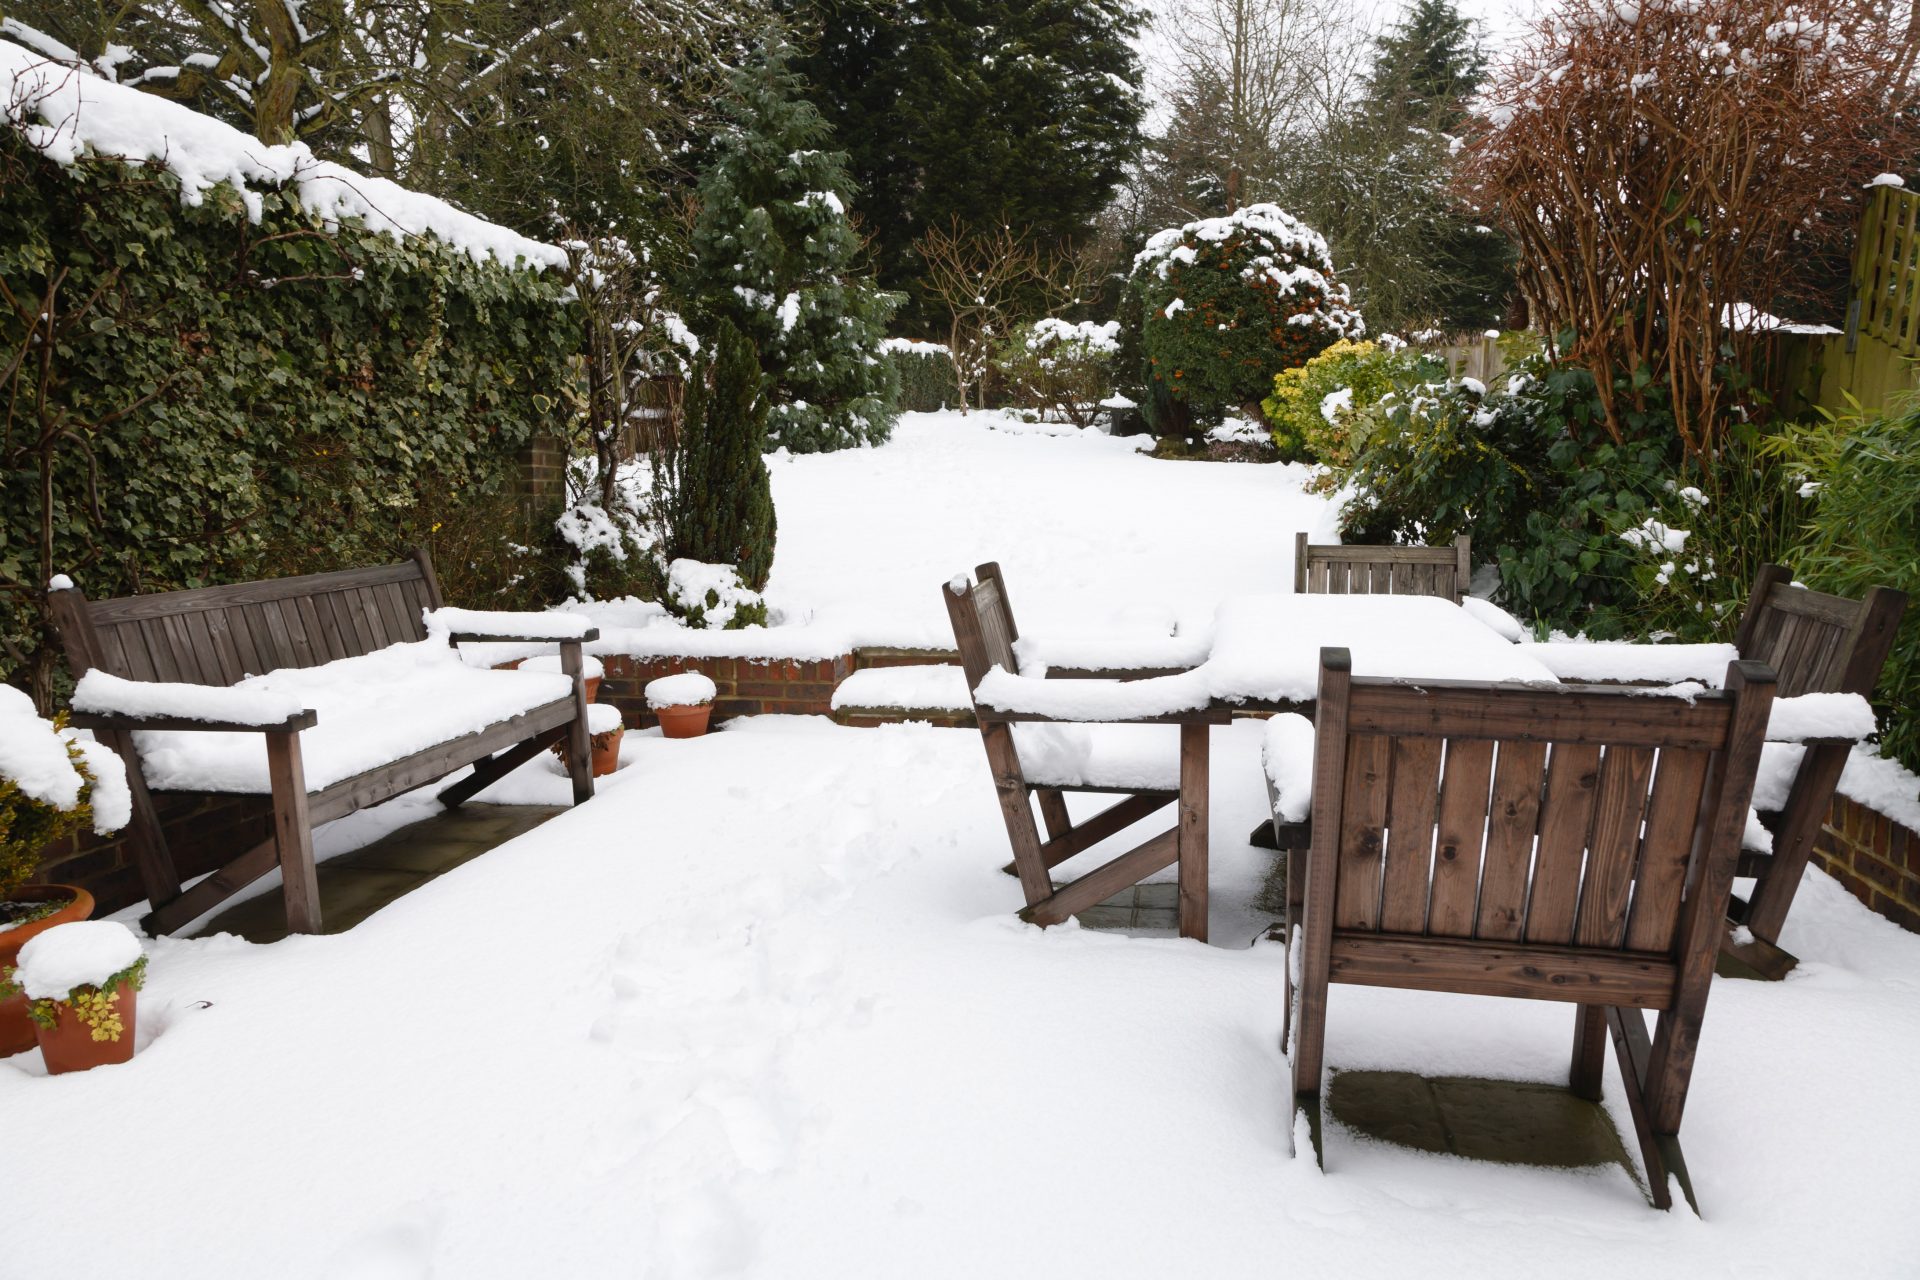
x=70, y=1046
x=684, y=722
x=606, y=751
x=16, y=1029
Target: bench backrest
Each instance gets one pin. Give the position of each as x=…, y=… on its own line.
x=1815, y=642
x=219, y=635
x=1354, y=569
x=1569, y=822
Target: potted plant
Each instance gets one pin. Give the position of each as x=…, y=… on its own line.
x=605, y=728
x=80, y=982
x=682, y=702
x=52, y=783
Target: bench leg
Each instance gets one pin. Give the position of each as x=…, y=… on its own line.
x=579, y=745
x=293, y=833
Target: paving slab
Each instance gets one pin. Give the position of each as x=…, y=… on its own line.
x=1505, y=1121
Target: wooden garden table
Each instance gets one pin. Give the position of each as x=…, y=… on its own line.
x=1265, y=656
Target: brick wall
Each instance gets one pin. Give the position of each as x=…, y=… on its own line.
x=543, y=475
x=203, y=832
x=1876, y=858
x=745, y=686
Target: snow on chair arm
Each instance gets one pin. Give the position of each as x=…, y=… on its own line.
x=1610, y=662
x=1821, y=717
x=102, y=700
x=1103, y=657
x=501, y=624
x=1157, y=699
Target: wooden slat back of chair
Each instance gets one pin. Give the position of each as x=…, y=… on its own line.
x=1563, y=818
x=983, y=628
x=1353, y=569
x=219, y=635
x=1815, y=642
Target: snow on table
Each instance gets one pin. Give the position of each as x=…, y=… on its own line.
x=919, y=687
x=1266, y=648
x=373, y=709
x=1621, y=661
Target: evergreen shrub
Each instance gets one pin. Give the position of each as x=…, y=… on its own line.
x=1224, y=304
x=1313, y=406
x=924, y=373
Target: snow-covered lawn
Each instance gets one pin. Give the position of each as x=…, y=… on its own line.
x=762, y=1009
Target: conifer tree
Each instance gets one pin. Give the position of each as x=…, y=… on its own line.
x=777, y=256
x=713, y=486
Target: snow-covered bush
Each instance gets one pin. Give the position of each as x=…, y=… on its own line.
x=778, y=257
x=1224, y=304
x=1059, y=368
x=52, y=783
x=924, y=371
x=712, y=492
x=606, y=552
x=1314, y=406
x=711, y=597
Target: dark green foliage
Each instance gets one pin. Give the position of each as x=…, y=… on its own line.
x=1864, y=532
x=1226, y=304
x=717, y=497
x=1021, y=113
x=925, y=377
x=246, y=399
x=777, y=259
x=1378, y=183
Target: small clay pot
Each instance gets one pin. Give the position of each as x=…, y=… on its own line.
x=70, y=1046
x=684, y=722
x=16, y=1028
x=606, y=751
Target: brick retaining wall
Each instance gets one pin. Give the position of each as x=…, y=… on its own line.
x=746, y=686
x=203, y=832
x=1875, y=858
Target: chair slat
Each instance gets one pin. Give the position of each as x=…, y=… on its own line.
x=1362, y=832
x=356, y=609
x=1460, y=836
x=296, y=626
x=403, y=624
x=133, y=646
x=1355, y=569
x=172, y=651
x=1613, y=848
x=220, y=636
x=113, y=654
x=284, y=655
x=1566, y=816
x=1671, y=814
x=252, y=659
x=1408, y=869
x=371, y=611
x=1514, y=816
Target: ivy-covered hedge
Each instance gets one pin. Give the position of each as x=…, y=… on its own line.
x=224, y=399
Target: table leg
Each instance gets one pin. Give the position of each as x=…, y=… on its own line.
x=1193, y=831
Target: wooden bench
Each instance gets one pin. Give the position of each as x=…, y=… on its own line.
x=216, y=636
x=1343, y=569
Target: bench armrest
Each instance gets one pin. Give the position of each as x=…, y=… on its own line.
x=1210, y=715
x=102, y=700
x=500, y=625
x=111, y=721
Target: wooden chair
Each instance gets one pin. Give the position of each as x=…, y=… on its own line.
x=1567, y=843
x=1815, y=643
x=218, y=635
x=1343, y=569
x=1170, y=752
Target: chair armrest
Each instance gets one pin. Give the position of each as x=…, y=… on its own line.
x=1113, y=673
x=501, y=625
x=1624, y=663
x=1107, y=658
x=1171, y=699
x=102, y=700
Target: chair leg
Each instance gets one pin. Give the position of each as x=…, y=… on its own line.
x=579, y=743
x=1659, y=1152
x=1194, y=743
x=1053, y=811
x=1589, y=1051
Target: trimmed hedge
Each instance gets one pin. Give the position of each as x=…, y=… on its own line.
x=230, y=399
x=926, y=378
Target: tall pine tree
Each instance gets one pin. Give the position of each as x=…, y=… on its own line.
x=712, y=486
x=1020, y=113
x=776, y=255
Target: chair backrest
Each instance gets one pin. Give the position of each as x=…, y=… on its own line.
x=219, y=635
x=1815, y=642
x=1353, y=569
x=1579, y=831
x=983, y=627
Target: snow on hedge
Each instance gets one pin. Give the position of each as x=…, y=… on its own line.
x=33, y=756
x=65, y=113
